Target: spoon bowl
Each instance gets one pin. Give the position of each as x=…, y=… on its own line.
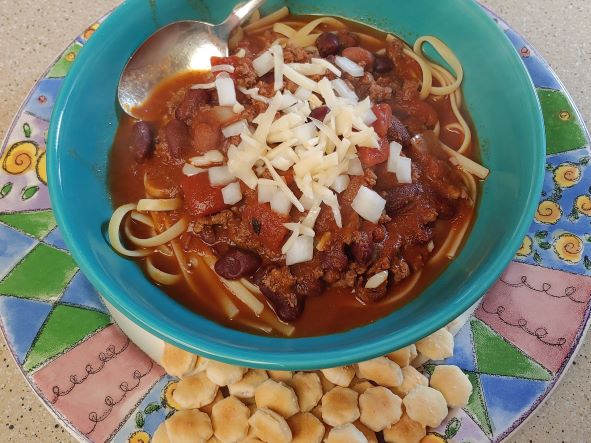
x=178, y=47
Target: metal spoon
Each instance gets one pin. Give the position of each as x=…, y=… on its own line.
x=178, y=47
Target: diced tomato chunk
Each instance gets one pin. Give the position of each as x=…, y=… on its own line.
x=266, y=224
x=374, y=156
x=201, y=198
x=383, y=113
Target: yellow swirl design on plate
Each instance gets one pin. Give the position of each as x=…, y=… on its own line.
x=567, y=175
x=20, y=157
x=168, y=391
x=41, y=168
x=583, y=204
x=139, y=437
x=548, y=212
x=569, y=247
x=526, y=247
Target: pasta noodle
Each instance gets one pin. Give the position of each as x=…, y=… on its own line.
x=164, y=237
x=267, y=20
x=159, y=275
x=114, y=229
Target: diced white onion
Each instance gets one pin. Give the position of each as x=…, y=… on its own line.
x=303, y=93
x=349, y=66
x=238, y=108
x=280, y=203
x=376, y=280
x=369, y=117
x=404, y=170
x=220, y=176
x=395, y=149
x=301, y=250
x=282, y=163
x=367, y=137
x=203, y=86
x=355, y=167
x=430, y=246
x=266, y=191
x=343, y=90
x=189, y=169
x=304, y=132
x=288, y=99
x=236, y=128
x=263, y=63
x=226, y=92
x=340, y=183
x=232, y=193
x=368, y=204
x=240, y=53
x=213, y=156
x=226, y=68
x=306, y=202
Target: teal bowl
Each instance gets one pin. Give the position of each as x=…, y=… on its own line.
x=499, y=95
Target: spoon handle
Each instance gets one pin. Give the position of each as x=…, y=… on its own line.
x=238, y=16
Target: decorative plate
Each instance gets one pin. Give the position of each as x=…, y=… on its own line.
x=515, y=347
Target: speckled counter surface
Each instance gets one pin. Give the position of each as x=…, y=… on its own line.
x=33, y=33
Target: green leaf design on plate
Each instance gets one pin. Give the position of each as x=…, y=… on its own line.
x=152, y=407
x=545, y=245
x=587, y=262
x=5, y=189
x=537, y=257
x=584, y=160
x=139, y=419
x=452, y=428
x=29, y=192
x=541, y=234
x=27, y=130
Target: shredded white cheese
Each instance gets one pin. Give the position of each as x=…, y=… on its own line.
x=321, y=155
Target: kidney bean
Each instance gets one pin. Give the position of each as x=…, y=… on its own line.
x=382, y=64
x=327, y=44
x=177, y=137
x=360, y=55
x=237, y=263
x=142, y=141
x=398, y=132
x=205, y=136
x=287, y=304
x=191, y=102
x=319, y=113
x=362, y=247
x=347, y=39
